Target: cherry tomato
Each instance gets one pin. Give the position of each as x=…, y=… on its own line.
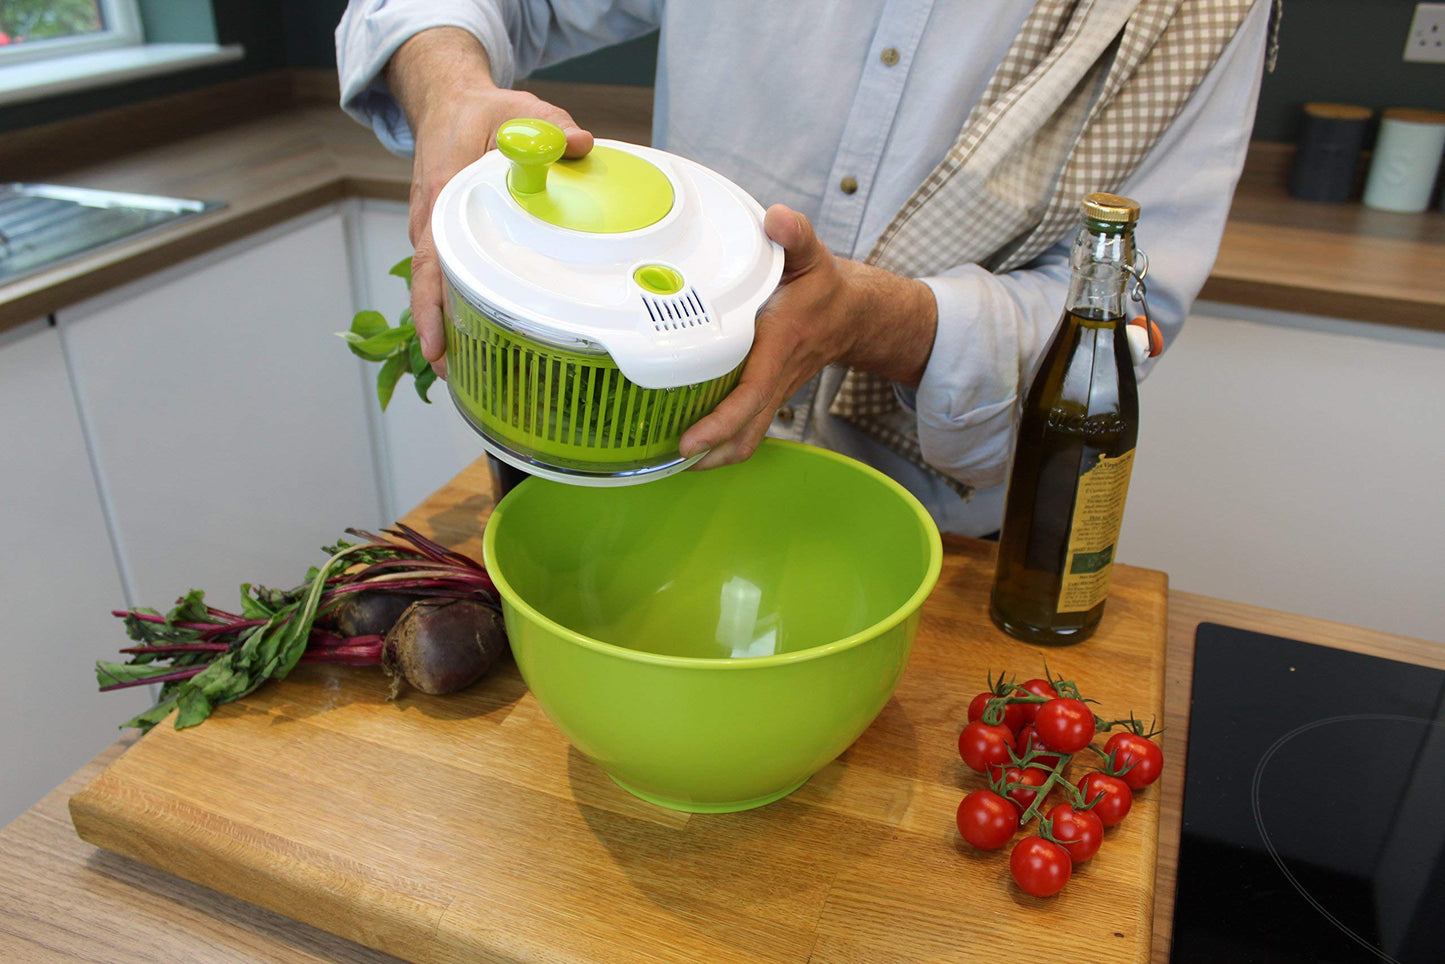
x=1013, y=713
x=1029, y=777
x=984, y=746
x=1116, y=796
x=987, y=820
x=1040, y=867
x=1065, y=725
x=1038, y=687
x=1080, y=833
x=1142, y=756
x=1028, y=738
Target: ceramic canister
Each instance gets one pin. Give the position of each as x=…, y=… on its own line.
x=1406, y=160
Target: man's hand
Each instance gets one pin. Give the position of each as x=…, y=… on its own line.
x=826, y=309
x=443, y=81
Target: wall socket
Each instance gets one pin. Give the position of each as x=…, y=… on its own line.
x=1426, y=42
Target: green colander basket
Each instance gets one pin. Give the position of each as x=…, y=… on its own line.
x=566, y=410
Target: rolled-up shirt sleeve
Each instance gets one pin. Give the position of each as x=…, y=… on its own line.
x=993, y=329
x=519, y=36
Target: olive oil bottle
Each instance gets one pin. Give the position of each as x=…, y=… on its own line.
x=1075, y=446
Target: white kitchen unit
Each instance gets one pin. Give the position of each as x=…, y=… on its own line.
x=1297, y=463
x=226, y=420
x=424, y=444
x=58, y=580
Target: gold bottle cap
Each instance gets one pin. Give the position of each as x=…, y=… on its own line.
x=1111, y=208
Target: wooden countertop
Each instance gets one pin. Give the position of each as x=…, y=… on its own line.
x=276, y=145
x=61, y=899
x=510, y=845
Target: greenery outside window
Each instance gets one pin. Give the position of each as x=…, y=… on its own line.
x=33, y=30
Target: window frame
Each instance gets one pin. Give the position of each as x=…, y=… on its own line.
x=123, y=29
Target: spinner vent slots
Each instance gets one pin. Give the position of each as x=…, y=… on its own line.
x=676, y=312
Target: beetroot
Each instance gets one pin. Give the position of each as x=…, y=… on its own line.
x=371, y=613
x=443, y=645
x=203, y=656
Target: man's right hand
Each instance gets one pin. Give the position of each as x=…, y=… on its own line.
x=443, y=81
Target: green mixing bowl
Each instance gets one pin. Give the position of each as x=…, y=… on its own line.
x=713, y=639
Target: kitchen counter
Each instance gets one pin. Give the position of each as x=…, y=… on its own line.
x=275, y=146
x=62, y=899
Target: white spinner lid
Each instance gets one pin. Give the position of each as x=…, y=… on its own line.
x=651, y=257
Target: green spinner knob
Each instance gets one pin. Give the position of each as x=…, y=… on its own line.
x=532, y=146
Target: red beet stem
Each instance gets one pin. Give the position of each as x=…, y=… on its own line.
x=186, y=673
x=353, y=655
x=397, y=581
x=180, y=648
x=198, y=627
x=323, y=640
x=433, y=548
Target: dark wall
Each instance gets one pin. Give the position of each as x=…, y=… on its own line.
x=1347, y=51
x=311, y=32
x=1340, y=50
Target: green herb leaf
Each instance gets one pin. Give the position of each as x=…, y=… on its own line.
x=387, y=378
x=368, y=323
x=363, y=355
x=371, y=339
x=424, y=382
x=378, y=347
x=416, y=361
x=402, y=269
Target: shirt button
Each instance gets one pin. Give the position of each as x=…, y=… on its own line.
x=890, y=56
x=848, y=185
x=785, y=414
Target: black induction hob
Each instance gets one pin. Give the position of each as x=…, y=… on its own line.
x=1314, y=806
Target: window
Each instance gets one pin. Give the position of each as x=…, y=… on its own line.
x=43, y=29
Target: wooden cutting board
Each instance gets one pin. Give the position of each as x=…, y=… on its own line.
x=464, y=828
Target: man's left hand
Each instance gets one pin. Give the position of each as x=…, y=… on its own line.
x=826, y=309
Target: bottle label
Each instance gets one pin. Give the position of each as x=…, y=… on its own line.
x=1098, y=513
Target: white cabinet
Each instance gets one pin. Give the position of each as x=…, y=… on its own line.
x=1296, y=463
x=227, y=421
x=58, y=580
x=425, y=445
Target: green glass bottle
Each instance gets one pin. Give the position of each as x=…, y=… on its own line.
x=1075, y=447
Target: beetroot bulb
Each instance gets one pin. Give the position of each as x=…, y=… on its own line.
x=443, y=645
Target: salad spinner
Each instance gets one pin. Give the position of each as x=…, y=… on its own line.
x=595, y=308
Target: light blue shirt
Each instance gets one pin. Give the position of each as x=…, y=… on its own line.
x=792, y=100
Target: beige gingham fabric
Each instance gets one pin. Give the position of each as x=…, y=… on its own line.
x=1085, y=91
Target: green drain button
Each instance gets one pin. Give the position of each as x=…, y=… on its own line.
x=658, y=279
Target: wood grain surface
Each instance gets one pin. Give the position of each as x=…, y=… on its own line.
x=63, y=900
x=276, y=145
x=464, y=827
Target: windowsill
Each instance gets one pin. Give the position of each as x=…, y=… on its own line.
x=45, y=78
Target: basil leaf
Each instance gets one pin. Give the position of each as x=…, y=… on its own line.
x=416, y=361
x=368, y=323
x=387, y=378
x=402, y=269
x=381, y=346
x=424, y=383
